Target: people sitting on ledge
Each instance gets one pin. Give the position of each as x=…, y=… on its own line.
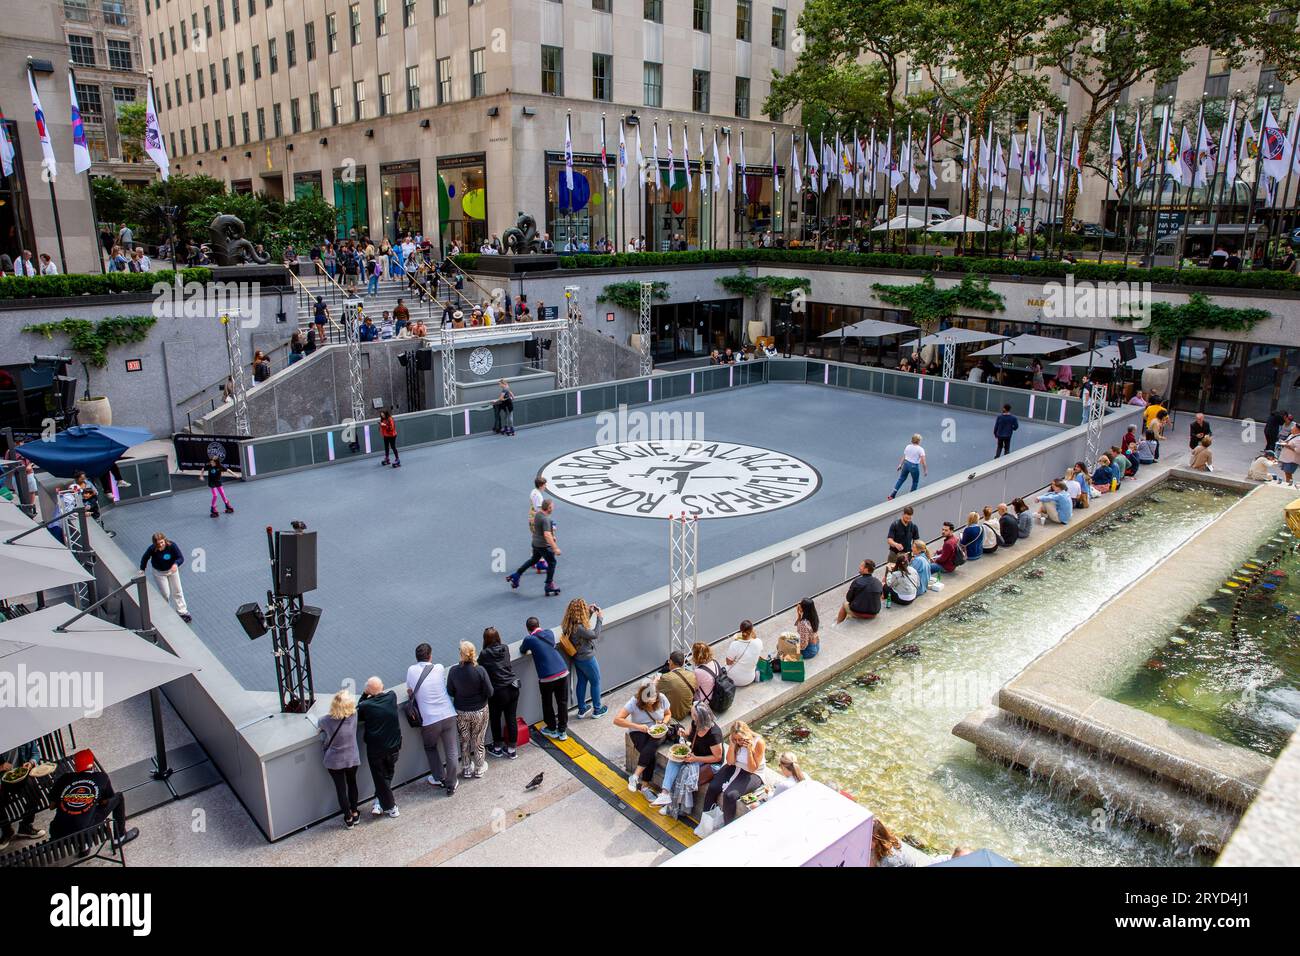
x=1056, y=505
x=946, y=559
x=863, y=598
x=743, y=653
x=1103, y=476
x=972, y=537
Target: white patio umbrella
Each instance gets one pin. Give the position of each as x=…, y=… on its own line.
x=28, y=568
x=957, y=337
x=13, y=520
x=1027, y=344
x=1103, y=357
x=90, y=667
x=899, y=223
x=961, y=224
x=869, y=329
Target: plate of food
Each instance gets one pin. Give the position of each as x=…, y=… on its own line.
x=679, y=752
x=44, y=768
x=750, y=799
x=16, y=775
x=658, y=731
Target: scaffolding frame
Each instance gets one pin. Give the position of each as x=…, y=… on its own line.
x=566, y=343
x=949, y=356
x=683, y=582
x=643, y=328
x=235, y=354
x=353, y=315
x=1094, y=418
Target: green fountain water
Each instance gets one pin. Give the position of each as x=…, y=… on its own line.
x=892, y=747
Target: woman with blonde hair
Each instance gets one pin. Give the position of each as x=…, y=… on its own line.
x=338, y=731
x=791, y=772
x=577, y=629
x=470, y=689
x=706, y=670
x=742, y=772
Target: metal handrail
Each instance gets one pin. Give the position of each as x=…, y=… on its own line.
x=456, y=265
x=306, y=291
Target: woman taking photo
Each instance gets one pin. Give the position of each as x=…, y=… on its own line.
x=741, y=772
x=806, y=625
x=582, y=637
x=647, y=708
x=338, y=732
x=470, y=689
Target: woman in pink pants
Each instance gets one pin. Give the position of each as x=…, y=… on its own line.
x=214, y=473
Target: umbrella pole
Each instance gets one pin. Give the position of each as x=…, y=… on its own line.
x=161, y=770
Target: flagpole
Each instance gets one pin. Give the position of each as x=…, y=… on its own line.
x=965, y=185
x=1110, y=176
x=50, y=176
x=1230, y=128
x=1226, y=139
x=94, y=216
x=1187, y=214
x=988, y=184
x=1033, y=192
x=1002, y=217
x=875, y=178
x=1020, y=193
x=1134, y=163
x=1051, y=190
x=1279, y=214
x=925, y=213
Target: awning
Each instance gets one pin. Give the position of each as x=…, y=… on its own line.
x=1102, y=358
x=961, y=224
x=869, y=329
x=1028, y=345
x=958, y=337
x=899, y=223
x=28, y=568
x=88, y=448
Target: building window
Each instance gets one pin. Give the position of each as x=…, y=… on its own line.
x=381, y=18
x=291, y=49
x=82, y=50
x=207, y=29
x=331, y=33
x=239, y=65
x=225, y=71
x=216, y=131
x=171, y=36
x=744, y=19
x=122, y=95
x=295, y=116
x=477, y=72
x=552, y=71
x=313, y=110
x=273, y=56
x=412, y=88
x=654, y=11
x=167, y=90
x=385, y=92
x=742, y=97
x=703, y=18
x=212, y=75
x=602, y=76
x=234, y=12
x=354, y=23
x=88, y=97
x=440, y=8
x=336, y=105
x=248, y=136
x=189, y=89
x=207, y=143
x=261, y=123
x=359, y=99
x=230, y=128
x=778, y=28
x=114, y=12
x=276, y=124
x=444, y=80
x=221, y=25
x=78, y=10
x=652, y=79
x=408, y=13
x=202, y=91
x=602, y=6
x=257, y=62
x=153, y=53
x=700, y=91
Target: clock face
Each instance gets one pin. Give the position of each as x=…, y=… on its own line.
x=480, y=360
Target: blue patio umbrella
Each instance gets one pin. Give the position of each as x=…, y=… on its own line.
x=88, y=448
x=978, y=858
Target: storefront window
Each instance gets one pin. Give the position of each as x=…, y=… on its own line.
x=579, y=219
x=399, y=185
x=674, y=213
x=351, y=207
x=307, y=184
x=694, y=329
x=758, y=209
x=15, y=234
x=462, y=200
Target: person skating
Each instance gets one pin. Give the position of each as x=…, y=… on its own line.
x=388, y=430
x=544, y=548
x=166, y=558
x=215, y=473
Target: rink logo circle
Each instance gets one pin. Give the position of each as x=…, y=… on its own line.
x=655, y=479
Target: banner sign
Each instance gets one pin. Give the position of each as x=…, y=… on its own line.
x=193, y=451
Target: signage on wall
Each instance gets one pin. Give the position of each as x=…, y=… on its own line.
x=549, y=313
x=193, y=451
x=609, y=316
x=134, y=365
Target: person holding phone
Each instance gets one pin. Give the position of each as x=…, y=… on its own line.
x=581, y=628
x=741, y=771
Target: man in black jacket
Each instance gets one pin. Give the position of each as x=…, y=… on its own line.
x=377, y=715
x=863, y=598
x=1008, y=526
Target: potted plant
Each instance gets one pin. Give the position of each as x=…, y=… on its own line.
x=90, y=342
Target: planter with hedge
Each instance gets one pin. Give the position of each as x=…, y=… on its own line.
x=115, y=283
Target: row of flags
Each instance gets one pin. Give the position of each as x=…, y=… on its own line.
x=81, y=162
x=1190, y=158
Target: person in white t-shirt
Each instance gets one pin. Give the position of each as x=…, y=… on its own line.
x=742, y=655
x=912, y=464
x=426, y=683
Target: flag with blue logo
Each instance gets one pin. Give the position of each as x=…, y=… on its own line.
x=80, y=148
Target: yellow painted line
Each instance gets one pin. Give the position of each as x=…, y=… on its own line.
x=616, y=783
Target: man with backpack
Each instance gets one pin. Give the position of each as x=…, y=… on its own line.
x=950, y=555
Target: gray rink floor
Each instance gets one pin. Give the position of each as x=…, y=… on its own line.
x=413, y=555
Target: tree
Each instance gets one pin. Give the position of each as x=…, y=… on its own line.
x=146, y=205
x=111, y=198
x=130, y=130
x=1106, y=46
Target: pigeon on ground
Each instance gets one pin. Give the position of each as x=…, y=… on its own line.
x=535, y=782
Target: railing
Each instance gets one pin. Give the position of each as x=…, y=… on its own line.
x=307, y=295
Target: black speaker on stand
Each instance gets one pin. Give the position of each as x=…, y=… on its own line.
x=291, y=623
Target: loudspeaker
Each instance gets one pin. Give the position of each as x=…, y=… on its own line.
x=1127, y=349
x=296, y=569
x=305, y=626
x=424, y=360
x=253, y=620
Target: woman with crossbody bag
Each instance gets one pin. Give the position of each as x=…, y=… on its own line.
x=338, y=729
x=992, y=538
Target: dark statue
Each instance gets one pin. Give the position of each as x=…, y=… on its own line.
x=228, y=245
x=522, y=237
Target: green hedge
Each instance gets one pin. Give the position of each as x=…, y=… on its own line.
x=1053, y=268
x=51, y=287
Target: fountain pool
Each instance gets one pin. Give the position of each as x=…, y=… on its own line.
x=892, y=745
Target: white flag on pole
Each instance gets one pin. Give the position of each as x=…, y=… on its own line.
x=796, y=174
x=6, y=149
x=913, y=177
x=1227, y=154
x=640, y=159
x=568, y=152
x=622, y=157
x=686, y=158
x=1274, y=147
x=776, y=173
x=744, y=183
x=1140, y=154
x=965, y=156
x=717, y=165
x=1116, y=154
x=604, y=155
x=80, y=148
x=653, y=172
x=731, y=171
x=929, y=159
x=42, y=129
